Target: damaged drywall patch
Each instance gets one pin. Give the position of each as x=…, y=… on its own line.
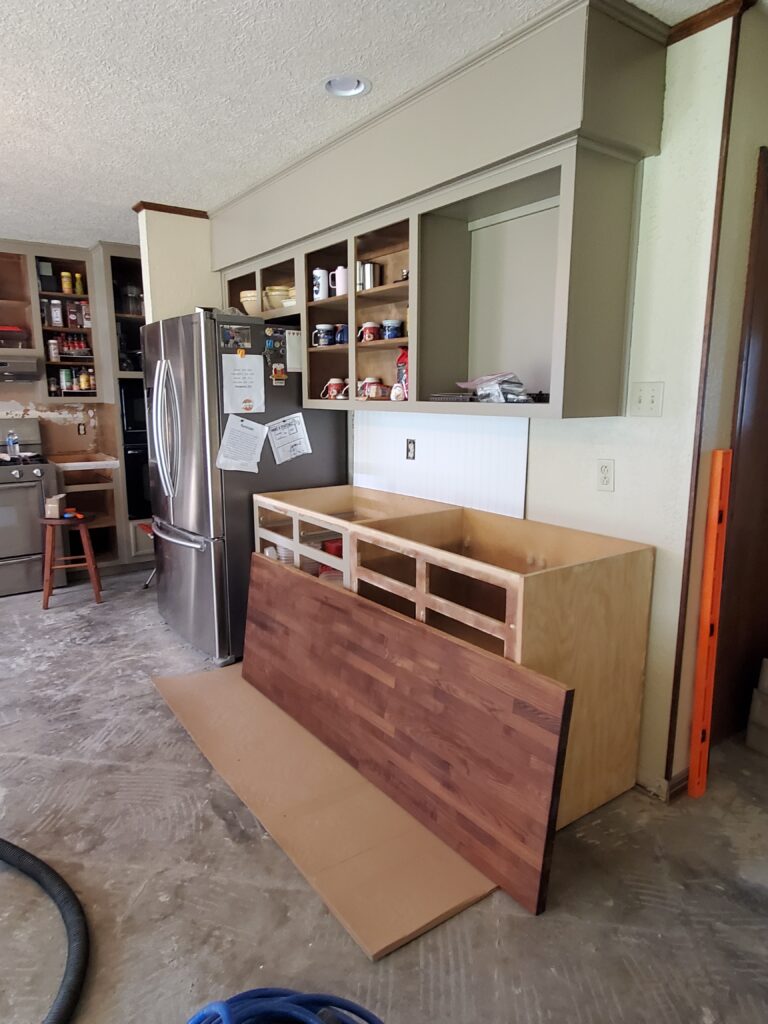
x=58, y=424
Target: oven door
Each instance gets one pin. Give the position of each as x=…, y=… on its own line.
x=21, y=506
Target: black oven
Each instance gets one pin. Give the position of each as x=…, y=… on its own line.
x=133, y=411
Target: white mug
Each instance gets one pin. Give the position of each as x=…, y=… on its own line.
x=319, y=284
x=337, y=279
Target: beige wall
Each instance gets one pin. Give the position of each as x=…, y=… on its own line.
x=526, y=94
x=652, y=456
x=749, y=131
x=176, y=264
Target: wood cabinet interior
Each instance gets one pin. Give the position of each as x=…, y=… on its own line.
x=567, y=603
x=127, y=294
x=325, y=362
x=487, y=272
x=73, y=337
x=235, y=285
x=388, y=248
x=15, y=297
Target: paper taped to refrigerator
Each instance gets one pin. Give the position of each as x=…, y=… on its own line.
x=242, y=383
x=288, y=437
x=241, y=445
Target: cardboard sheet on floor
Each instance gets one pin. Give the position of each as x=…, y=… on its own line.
x=383, y=875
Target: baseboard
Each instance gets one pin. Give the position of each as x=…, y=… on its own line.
x=678, y=785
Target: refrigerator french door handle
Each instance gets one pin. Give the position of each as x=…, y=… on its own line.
x=173, y=462
x=158, y=402
x=196, y=545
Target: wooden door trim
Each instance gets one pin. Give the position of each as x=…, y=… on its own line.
x=706, y=19
x=714, y=259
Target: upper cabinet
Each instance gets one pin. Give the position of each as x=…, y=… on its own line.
x=519, y=263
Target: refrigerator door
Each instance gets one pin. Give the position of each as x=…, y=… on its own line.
x=191, y=590
x=325, y=467
x=188, y=418
x=154, y=369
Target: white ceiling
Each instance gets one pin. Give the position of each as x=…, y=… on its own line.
x=191, y=102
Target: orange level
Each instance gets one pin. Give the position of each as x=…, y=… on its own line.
x=709, y=619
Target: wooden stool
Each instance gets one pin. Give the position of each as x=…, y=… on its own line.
x=84, y=561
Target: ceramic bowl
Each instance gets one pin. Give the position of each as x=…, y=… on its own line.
x=250, y=302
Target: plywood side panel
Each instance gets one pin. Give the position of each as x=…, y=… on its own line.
x=469, y=743
x=587, y=626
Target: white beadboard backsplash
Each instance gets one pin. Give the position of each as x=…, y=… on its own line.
x=476, y=461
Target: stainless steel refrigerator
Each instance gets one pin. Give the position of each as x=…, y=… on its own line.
x=202, y=516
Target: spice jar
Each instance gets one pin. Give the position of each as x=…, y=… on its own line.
x=66, y=282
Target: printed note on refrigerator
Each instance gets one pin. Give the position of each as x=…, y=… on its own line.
x=242, y=383
x=241, y=445
x=288, y=437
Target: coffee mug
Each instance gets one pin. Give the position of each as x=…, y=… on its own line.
x=370, y=331
x=333, y=388
x=319, y=284
x=392, y=328
x=342, y=334
x=337, y=279
x=367, y=386
x=325, y=334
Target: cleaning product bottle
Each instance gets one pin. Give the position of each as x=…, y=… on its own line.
x=12, y=444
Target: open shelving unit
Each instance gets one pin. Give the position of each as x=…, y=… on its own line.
x=524, y=268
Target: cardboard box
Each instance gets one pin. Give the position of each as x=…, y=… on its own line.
x=383, y=875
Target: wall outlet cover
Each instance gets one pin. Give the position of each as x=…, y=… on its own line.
x=410, y=448
x=605, y=475
x=81, y=429
x=646, y=398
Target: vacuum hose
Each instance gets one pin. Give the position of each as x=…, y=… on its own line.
x=73, y=916
x=273, y=1005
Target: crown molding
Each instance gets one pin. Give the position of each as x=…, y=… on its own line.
x=180, y=211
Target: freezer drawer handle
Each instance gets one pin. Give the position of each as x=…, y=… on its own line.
x=195, y=545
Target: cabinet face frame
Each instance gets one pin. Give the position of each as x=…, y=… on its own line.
x=562, y=156
x=38, y=390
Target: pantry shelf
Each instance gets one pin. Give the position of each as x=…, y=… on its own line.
x=66, y=330
x=329, y=348
x=380, y=346
x=384, y=293
x=62, y=295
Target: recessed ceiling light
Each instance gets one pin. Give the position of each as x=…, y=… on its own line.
x=347, y=85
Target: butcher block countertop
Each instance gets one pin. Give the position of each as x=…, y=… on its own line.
x=569, y=604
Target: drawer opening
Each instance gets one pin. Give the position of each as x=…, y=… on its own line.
x=387, y=599
x=469, y=592
x=391, y=564
x=458, y=629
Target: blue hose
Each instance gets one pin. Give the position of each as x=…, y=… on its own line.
x=275, y=1005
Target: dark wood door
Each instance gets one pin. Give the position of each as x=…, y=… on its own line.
x=743, y=637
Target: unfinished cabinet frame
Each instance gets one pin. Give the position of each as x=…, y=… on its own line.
x=569, y=604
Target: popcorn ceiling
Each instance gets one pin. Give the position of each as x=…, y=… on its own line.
x=191, y=104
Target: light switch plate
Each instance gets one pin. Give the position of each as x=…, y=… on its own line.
x=646, y=398
x=605, y=480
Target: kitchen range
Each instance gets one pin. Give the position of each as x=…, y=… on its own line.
x=26, y=479
x=202, y=515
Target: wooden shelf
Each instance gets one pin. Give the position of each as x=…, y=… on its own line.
x=67, y=330
x=65, y=394
x=130, y=316
x=332, y=302
x=130, y=375
x=62, y=295
x=379, y=346
x=71, y=361
x=275, y=314
x=100, y=485
x=329, y=348
x=100, y=522
x=384, y=293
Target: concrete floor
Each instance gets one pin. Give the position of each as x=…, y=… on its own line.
x=656, y=914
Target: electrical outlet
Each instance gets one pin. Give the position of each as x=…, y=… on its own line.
x=605, y=475
x=81, y=429
x=410, y=448
x=646, y=398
